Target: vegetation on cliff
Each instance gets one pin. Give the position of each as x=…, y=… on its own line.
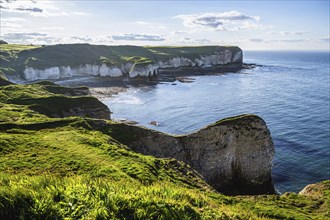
x=74, y=167
x=18, y=57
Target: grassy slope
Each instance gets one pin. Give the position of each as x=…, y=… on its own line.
x=8, y=54
x=17, y=57
x=62, y=167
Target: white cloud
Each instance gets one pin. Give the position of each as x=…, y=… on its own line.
x=225, y=21
x=292, y=40
x=11, y=24
x=13, y=19
x=325, y=39
x=151, y=25
x=286, y=33
x=256, y=40
x=178, y=32
x=52, y=28
x=82, y=39
x=43, y=38
x=142, y=23
x=137, y=37
x=23, y=37
x=43, y=8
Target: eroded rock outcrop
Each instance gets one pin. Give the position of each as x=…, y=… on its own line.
x=317, y=190
x=234, y=155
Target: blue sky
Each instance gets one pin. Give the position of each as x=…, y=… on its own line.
x=252, y=25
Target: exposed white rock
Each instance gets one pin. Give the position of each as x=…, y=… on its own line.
x=175, y=62
x=31, y=74
x=236, y=152
x=88, y=69
x=146, y=71
x=126, y=68
x=110, y=71
x=199, y=62
x=238, y=57
x=65, y=71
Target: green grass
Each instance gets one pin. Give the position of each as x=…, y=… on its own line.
x=51, y=100
x=99, y=198
x=9, y=55
x=74, y=168
x=16, y=47
x=192, y=52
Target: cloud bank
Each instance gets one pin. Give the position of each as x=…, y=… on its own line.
x=137, y=37
x=225, y=21
x=43, y=8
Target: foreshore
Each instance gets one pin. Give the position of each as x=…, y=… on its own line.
x=105, y=87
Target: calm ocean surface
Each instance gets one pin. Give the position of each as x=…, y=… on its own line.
x=290, y=91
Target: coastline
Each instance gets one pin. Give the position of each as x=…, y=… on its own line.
x=105, y=87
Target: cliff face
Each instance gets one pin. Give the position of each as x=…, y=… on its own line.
x=62, y=61
x=233, y=155
x=128, y=69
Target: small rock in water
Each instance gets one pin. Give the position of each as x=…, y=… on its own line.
x=185, y=79
x=154, y=123
x=128, y=122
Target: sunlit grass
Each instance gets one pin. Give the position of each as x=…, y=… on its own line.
x=16, y=47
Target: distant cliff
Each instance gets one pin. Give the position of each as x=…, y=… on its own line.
x=61, y=61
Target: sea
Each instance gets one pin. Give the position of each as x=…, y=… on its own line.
x=289, y=90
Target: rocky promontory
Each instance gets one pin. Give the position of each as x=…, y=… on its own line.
x=234, y=155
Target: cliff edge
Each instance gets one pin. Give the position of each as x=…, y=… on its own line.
x=234, y=155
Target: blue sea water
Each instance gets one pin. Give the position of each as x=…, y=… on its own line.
x=290, y=91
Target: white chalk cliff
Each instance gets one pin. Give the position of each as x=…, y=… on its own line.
x=234, y=155
x=131, y=70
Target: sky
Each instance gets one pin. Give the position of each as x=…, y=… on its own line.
x=251, y=25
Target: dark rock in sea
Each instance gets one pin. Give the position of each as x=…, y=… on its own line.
x=155, y=123
x=185, y=79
